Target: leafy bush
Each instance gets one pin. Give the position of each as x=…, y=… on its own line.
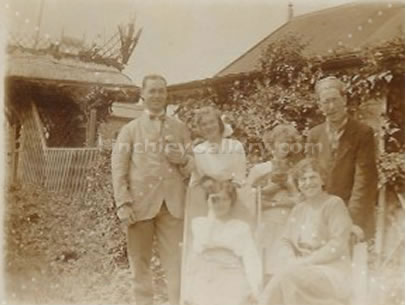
x=70, y=250
x=283, y=91
x=392, y=170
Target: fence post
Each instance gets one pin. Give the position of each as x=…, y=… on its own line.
x=91, y=140
x=14, y=154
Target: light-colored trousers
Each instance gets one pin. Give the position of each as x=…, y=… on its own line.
x=169, y=232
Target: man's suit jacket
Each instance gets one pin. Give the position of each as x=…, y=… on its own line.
x=141, y=172
x=352, y=173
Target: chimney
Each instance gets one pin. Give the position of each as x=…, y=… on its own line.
x=290, y=11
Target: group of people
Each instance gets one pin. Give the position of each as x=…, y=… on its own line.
x=208, y=232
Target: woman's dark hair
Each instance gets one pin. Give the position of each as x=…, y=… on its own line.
x=230, y=190
x=285, y=133
x=209, y=110
x=282, y=132
x=308, y=164
x=212, y=186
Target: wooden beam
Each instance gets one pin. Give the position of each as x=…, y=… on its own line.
x=91, y=140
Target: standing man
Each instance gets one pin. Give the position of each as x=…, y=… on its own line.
x=346, y=149
x=149, y=189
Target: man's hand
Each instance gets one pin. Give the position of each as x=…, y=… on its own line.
x=175, y=156
x=125, y=213
x=261, y=181
x=357, y=234
x=271, y=188
x=188, y=164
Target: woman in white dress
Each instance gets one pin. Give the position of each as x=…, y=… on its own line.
x=225, y=267
x=315, y=265
x=218, y=159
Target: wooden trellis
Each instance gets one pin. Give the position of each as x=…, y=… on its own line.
x=57, y=169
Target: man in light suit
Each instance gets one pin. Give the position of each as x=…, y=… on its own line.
x=148, y=164
x=346, y=149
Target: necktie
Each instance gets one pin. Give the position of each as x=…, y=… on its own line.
x=156, y=123
x=334, y=137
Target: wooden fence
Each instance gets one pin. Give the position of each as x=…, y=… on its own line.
x=56, y=169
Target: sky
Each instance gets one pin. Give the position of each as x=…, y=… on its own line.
x=184, y=40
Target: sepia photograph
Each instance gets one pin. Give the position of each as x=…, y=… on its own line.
x=203, y=152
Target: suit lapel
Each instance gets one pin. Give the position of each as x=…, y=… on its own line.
x=324, y=153
x=325, y=142
x=346, y=140
x=331, y=161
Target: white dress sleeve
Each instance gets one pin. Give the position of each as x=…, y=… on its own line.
x=200, y=233
x=259, y=170
x=228, y=163
x=251, y=259
x=239, y=162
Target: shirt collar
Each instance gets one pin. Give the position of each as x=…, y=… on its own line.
x=149, y=113
x=331, y=128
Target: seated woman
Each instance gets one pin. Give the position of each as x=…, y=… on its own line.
x=225, y=265
x=279, y=193
x=315, y=256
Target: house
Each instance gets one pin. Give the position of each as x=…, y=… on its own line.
x=348, y=28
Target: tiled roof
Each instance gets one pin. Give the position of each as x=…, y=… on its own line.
x=352, y=26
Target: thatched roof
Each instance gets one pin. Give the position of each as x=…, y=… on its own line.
x=45, y=67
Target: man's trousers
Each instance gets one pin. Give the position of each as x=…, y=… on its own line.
x=169, y=233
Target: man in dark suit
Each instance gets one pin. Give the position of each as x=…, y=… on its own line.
x=346, y=149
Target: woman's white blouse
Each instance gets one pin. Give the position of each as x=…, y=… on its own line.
x=220, y=162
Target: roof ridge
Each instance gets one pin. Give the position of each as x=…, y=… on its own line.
x=317, y=12
x=252, y=48
x=279, y=28
x=354, y=3
x=375, y=4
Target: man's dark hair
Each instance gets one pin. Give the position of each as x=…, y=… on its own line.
x=152, y=77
